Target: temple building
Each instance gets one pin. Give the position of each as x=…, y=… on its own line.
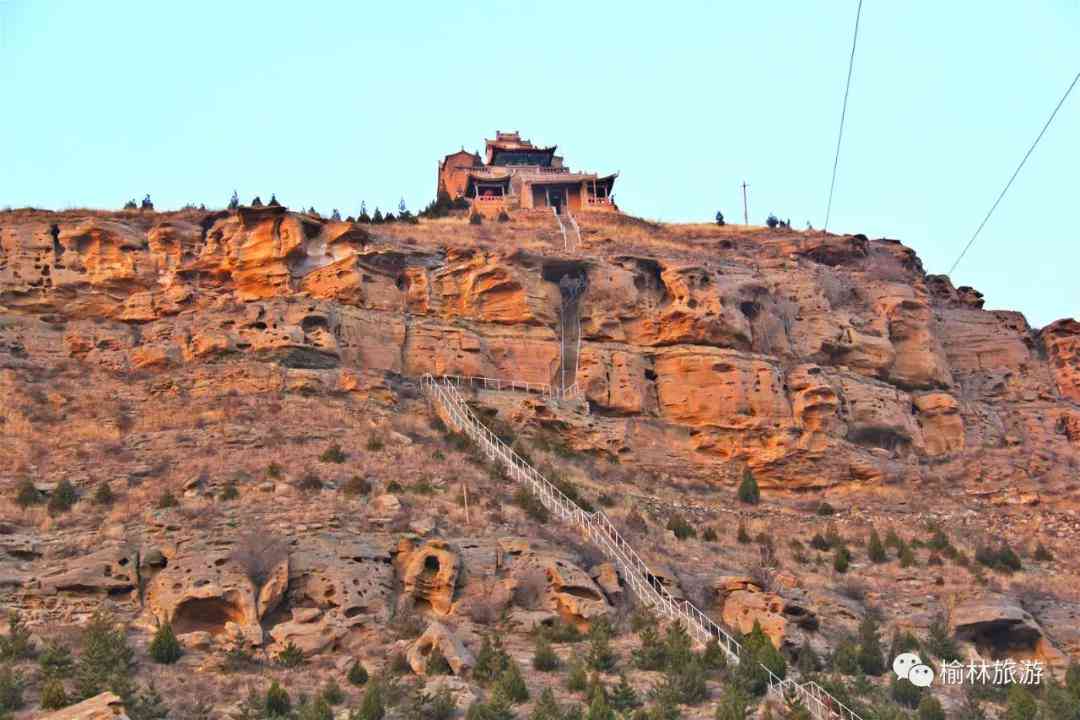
x=515, y=174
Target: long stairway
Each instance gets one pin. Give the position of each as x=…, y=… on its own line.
x=597, y=528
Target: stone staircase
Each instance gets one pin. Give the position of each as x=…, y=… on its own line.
x=445, y=399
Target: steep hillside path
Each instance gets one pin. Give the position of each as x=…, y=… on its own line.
x=598, y=529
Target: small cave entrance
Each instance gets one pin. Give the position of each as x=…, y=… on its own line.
x=1003, y=639
x=431, y=566
x=205, y=615
x=555, y=270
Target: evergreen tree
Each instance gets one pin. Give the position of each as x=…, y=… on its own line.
x=599, y=708
x=147, y=705
x=358, y=674
x=1020, y=704
x=734, y=704
x=748, y=489
x=377, y=218
x=870, y=656
x=624, y=698
x=335, y=216
x=600, y=655
x=105, y=660
x=511, y=684
x=234, y=201
x=577, y=680
x=53, y=695
x=314, y=709
x=490, y=661
x=546, y=708
x=544, y=657
x=62, y=498
x=277, y=703
x=165, y=648
x=875, y=549
x=651, y=653
x=373, y=704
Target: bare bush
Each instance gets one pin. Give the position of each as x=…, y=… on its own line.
x=530, y=589
x=258, y=554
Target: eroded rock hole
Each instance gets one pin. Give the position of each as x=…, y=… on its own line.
x=205, y=615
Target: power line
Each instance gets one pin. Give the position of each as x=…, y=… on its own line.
x=843, y=114
x=1015, y=173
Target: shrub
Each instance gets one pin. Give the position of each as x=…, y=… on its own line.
x=544, y=657
x=530, y=503
x=103, y=495
x=399, y=664
x=333, y=454
x=600, y=656
x=259, y=554
x=56, y=661
x=905, y=693
x=825, y=509
x=167, y=500
x=561, y=631
x=491, y=660
x=623, y=697
x=164, y=648
x=16, y=644
x=713, y=656
x=63, y=498
x=476, y=218
x=719, y=218
x=1020, y=704
x=314, y=709
x=772, y=221
x=274, y=471
x=818, y=542
x=437, y=663
x=332, y=692
x=105, y=660
x=26, y=494
x=310, y=482
x=651, y=654
x=748, y=489
x=356, y=485
x=546, y=707
x=229, y=492
x=906, y=555
x=373, y=704
x=510, y=684
x=709, y=535
x=11, y=690
x=1001, y=558
x=291, y=656
x=930, y=709
x=504, y=216
x=375, y=443
x=741, y=535
x=875, y=550
x=685, y=683
x=1042, y=554
x=277, y=701
x=394, y=487
x=734, y=704
x=358, y=674
x=577, y=679
x=53, y=695
x=678, y=525
x=841, y=559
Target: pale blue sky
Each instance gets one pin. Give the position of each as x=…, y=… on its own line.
x=328, y=104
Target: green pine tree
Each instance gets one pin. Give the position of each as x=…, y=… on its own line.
x=748, y=489
x=871, y=660
x=875, y=549
x=165, y=648
x=277, y=702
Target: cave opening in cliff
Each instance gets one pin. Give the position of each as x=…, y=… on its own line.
x=555, y=270
x=205, y=615
x=999, y=640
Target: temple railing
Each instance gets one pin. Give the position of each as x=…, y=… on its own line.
x=597, y=528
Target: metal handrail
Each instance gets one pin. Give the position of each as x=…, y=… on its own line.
x=598, y=528
x=499, y=384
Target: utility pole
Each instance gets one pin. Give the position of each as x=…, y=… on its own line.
x=745, y=214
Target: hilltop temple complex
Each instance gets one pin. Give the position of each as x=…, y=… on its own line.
x=515, y=174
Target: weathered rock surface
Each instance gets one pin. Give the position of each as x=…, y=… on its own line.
x=105, y=706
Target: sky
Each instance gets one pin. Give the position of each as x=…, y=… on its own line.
x=330, y=104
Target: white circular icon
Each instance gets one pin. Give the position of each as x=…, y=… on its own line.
x=904, y=662
x=921, y=676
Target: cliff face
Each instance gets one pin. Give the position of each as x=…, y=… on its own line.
x=814, y=360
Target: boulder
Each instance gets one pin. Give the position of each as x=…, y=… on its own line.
x=438, y=635
x=105, y=706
